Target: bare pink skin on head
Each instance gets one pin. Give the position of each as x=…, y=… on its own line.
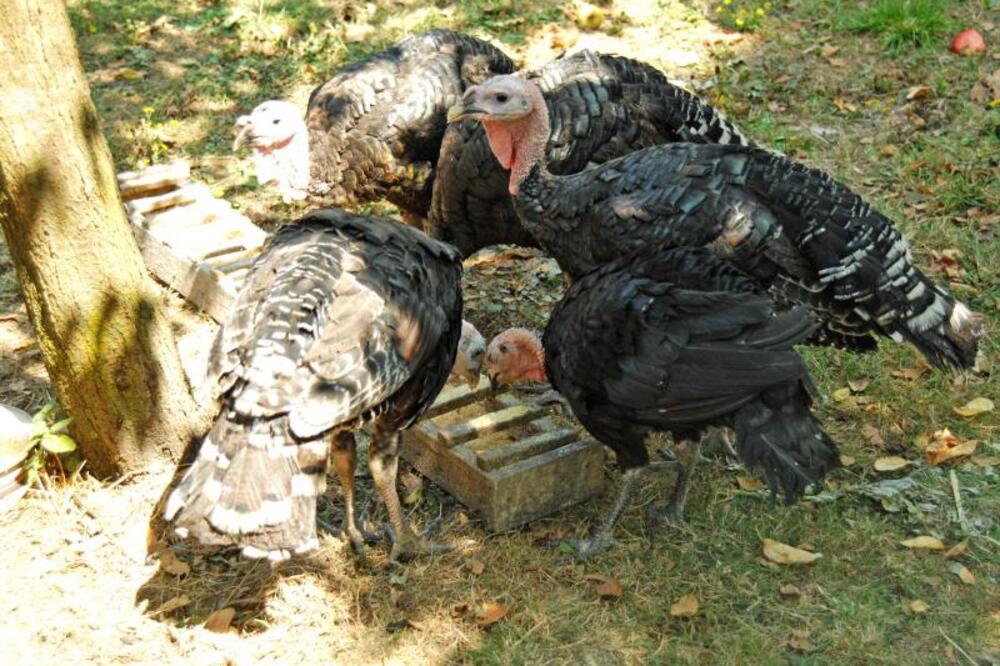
x=515, y=355
x=517, y=127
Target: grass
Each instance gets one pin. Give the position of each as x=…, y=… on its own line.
x=902, y=24
x=801, y=82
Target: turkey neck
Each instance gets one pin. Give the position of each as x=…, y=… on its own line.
x=520, y=144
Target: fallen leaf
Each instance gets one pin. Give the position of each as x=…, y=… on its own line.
x=790, y=592
x=475, y=566
x=943, y=446
x=173, y=604
x=749, y=484
x=957, y=550
x=890, y=463
x=919, y=606
x=858, y=385
x=686, y=606
x=837, y=62
x=919, y=92
x=170, y=564
x=798, y=641
x=220, y=620
x=963, y=574
x=491, y=613
x=872, y=434
x=829, y=51
x=610, y=589
x=588, y=16
x=975, y=407
x=782, y=553
x=947, y=262
x=846, y=461
x=842, y=394
x=924, y=543
x=843, y=105
x=458, y=610
x=887, y=150
x=913, y=373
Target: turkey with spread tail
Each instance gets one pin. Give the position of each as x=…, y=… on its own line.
x=676, y=340
x=343, y=320
x=373, y=130
x=794, y=230
x=600, y=107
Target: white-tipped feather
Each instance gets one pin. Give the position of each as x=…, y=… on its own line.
x=308, y=485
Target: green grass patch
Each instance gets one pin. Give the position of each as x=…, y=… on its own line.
x=900, y=23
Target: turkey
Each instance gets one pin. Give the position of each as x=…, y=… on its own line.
x=600, y=107
x=676, y=340
x=343, y=320
x=794, y=230
x=374, y=130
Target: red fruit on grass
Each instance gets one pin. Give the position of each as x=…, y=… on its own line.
x=968, y=42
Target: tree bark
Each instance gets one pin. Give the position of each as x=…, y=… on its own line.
x=104, y=338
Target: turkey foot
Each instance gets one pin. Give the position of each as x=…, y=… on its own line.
x=411, y=545
x=672, y=513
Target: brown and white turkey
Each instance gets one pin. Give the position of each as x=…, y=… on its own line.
x=600, y=107
x=375, y=128
x=343, y=320
x=794, y=230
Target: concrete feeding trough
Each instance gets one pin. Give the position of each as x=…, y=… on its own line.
x=503, y=457
x=195, y=243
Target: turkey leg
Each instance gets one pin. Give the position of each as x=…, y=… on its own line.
x=672, y=513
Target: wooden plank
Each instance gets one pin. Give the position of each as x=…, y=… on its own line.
x=178, y=197
x=188, y=215
x=155, y=179
x=457, y=396
x=459, y=433
x=220, y=236
x=454, y=469
x=545, y=484
x=207, y=289
x=500, y=456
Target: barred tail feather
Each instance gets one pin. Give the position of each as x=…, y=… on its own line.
x=252, y=485
x=780, y=436
x=946, y=331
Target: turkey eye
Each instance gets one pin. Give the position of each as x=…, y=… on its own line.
x=276, y=121
x=501, y=97
x=503, y=349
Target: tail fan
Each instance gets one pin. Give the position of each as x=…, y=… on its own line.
x=252, y=485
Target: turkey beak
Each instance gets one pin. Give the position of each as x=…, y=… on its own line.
x=472, y=379
x=467, y=108
x=494, y=383
x=245, y=135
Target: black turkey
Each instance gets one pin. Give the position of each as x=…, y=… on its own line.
x=343, y=320
x=373, y=130
x=600, y=107
x=676, y=340
x=794, y=230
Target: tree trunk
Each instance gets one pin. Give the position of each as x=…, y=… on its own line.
x=103, y=336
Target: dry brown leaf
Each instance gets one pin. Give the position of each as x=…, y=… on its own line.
x=923, y=542
x=610, y=589
x=858, y=385
x=914, y=373
x=957, y=550
x=829, y=51
x=595, y=578
x=686, y=606
x=491, y=613
x=975, y=407
x=837, y=62
x=887, y=150
x=458, y=610
x=588, y=16
x=475, y=566
x=173, y=604
x=749, y=483
x=220, y=620
x=919, y=606
x=943, y=446
x=872, y=434
x=782, y=553
x=890, y=463
x=846, y=461
x=843, y=105
x=798, y=640
x=965, y=575
x=919, y=92
x=173, y=566
x=790, y=592
x=947, y=262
